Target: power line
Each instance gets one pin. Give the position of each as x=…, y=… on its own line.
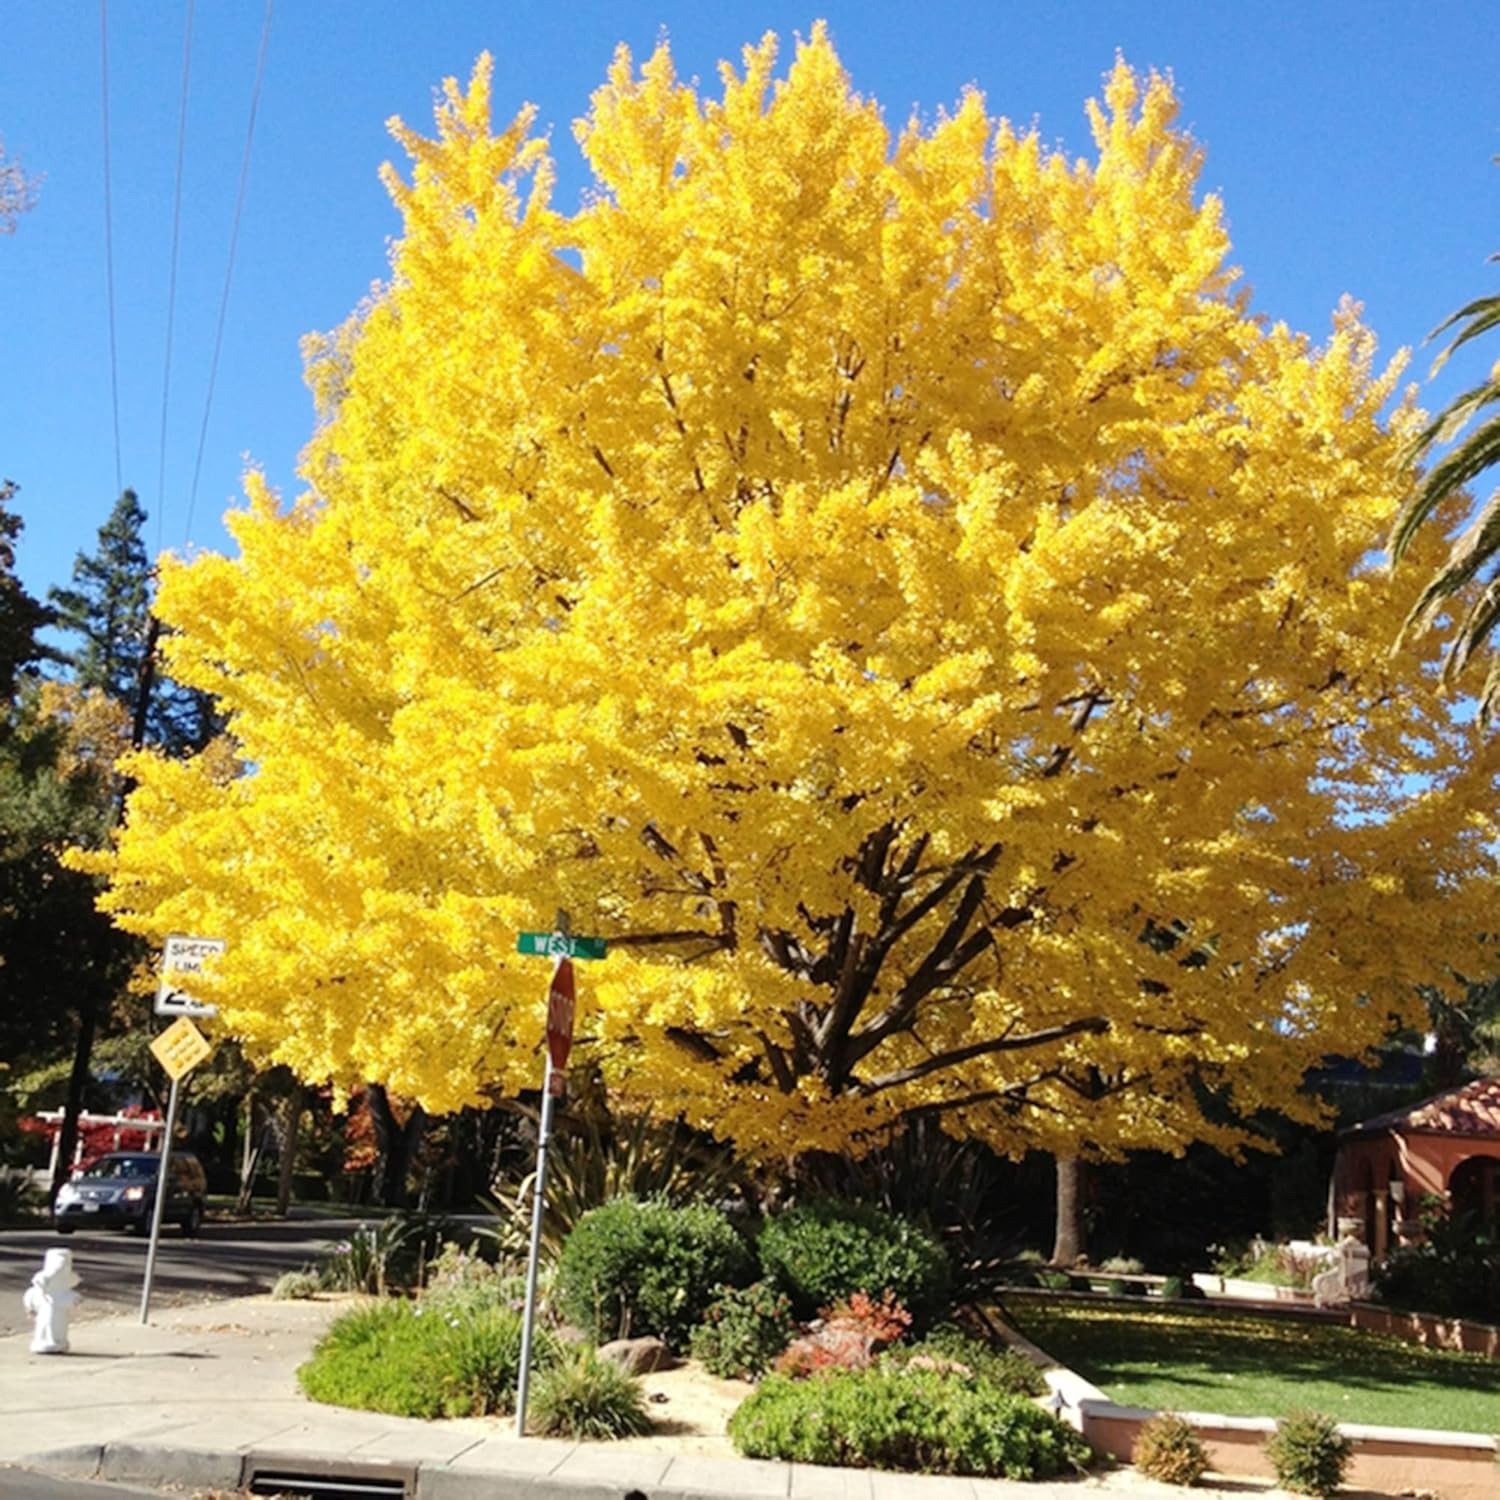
x=166, y=376
x=109, y=237
x=234, y=236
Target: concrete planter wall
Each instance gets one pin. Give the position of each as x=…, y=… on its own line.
x=1426, y=1328
x=1241, y=1290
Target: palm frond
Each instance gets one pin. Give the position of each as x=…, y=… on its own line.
x=1483, y=314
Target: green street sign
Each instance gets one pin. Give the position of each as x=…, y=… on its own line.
x=559, y=945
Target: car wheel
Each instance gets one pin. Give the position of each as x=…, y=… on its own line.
x=193, y=1221
x=64, y=1228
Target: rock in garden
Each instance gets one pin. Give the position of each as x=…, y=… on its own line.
x=639, y=1356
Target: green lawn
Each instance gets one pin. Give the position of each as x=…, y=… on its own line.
x=1239, y=1364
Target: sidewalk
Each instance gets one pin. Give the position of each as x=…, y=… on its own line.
x=207, y=1396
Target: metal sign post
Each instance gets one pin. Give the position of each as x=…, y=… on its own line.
x=563, y=948
x=538, y=1199
x=179, y=1049
x=163, y=1187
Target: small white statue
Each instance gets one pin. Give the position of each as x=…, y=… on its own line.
x=49, y=1299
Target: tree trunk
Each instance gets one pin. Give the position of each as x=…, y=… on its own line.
x=250, y=1160
x=397, y=1144
x=291, y=1124
x=1070, y=1244
x=78, y=1078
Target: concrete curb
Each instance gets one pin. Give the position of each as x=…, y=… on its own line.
x=531, y=1473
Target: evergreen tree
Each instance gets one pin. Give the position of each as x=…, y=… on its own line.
x=108, y=610
x=61, y=962
x=109, y=605
x=21, y=616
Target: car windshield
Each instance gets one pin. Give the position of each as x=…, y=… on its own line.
x=122, y=1166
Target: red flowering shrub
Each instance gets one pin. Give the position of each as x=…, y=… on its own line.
x=854, y=1330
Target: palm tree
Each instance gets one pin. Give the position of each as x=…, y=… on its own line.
x=1475, y=551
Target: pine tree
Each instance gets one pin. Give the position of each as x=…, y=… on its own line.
x=109, y=605
x=21, y=616
x=108, y=610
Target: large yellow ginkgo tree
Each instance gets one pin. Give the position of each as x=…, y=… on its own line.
x=890, y=585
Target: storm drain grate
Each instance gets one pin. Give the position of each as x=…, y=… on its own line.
x=331, y=1481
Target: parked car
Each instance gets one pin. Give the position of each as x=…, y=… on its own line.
x=120, y=1189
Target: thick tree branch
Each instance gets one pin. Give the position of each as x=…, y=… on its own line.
x=661, y=939
x=1095, y=1025
x=947, y=958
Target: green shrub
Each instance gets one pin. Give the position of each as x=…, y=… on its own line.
x=1123, y=1265
x=1167, y=1448
x=1308, y=1453
x=1054, y=1281
x=1002, y=1367
x=392, y=1252
x=634, y=1268
x=461, y=1282
x=296, y=1286
x=919, y=1420
x=583, y=1396
x=824, y=1250
x=743, y=1330
x=1454, y=1271
x=412, y=1361
x=20, y=1198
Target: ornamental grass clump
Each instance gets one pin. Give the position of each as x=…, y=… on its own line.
x=1167, y=1448
x=1308, y=1453
x=296, y=1286
x=583, y=1396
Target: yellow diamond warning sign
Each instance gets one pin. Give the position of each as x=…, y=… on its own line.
x=180, y=1048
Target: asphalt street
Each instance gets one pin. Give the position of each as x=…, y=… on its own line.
x=225, y=1260
x=18, y=1484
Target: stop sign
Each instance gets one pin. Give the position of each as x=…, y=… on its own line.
x=560, y=1015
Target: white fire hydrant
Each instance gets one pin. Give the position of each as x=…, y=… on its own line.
x=49, y=1299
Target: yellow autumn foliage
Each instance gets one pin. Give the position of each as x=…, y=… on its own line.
x=890, y=585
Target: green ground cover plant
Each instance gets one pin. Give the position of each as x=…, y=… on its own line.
x=413, y=1361
x=948, y=1344
x=1242, y=1364
x=922, y=1420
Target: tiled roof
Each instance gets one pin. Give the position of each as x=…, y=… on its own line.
x=1473, y=1109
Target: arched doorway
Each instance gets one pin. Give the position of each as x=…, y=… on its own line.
x=1474, y=1188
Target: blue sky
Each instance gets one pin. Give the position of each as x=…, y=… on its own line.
x=1352, y=144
